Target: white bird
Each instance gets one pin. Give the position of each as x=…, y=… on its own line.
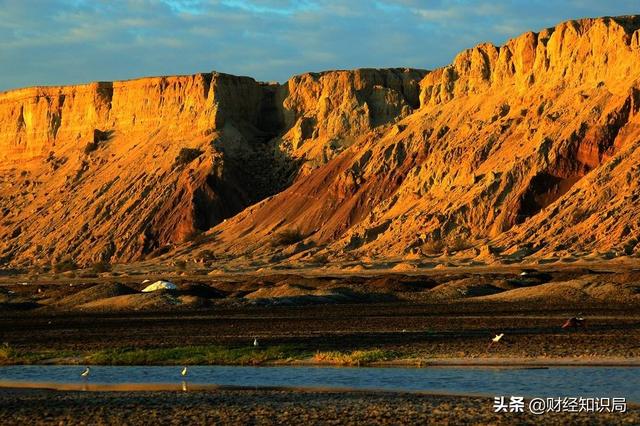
x=85, y=373
x=184, y=371
x=496, y=339
x=255, y=342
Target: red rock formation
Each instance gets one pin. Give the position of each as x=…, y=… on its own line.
x=503, y=138
x=528, y=149
x=119, y=171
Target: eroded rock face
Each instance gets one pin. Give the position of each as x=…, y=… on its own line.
x=37, y=120
x=326, y=112
x=95, y=172
x=527, y=148
x=533, y=144
x=125, y=170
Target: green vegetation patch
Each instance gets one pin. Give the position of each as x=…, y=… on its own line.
x=195, y=355
x=11, y=356
x=187, y=355
x=201, y=355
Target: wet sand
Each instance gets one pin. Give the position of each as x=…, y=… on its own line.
x=270, y=406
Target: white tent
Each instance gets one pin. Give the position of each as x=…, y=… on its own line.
x=160, y=285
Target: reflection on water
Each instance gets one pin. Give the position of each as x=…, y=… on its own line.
x=555, y=381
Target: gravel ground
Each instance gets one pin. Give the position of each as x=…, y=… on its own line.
x=265, y=407
x=416, y=329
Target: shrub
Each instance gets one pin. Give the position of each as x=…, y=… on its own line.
x=355, y=357
x=159, y=252
x=187, y=155
x=287, y=237
x=433, y=247
x=99, y=267
x=206, y=255
x=65, y=265
x=6, y=353
x=443, y=131
x=195, y=237
x=88, y=275
x=101, y=136
x=460, y=244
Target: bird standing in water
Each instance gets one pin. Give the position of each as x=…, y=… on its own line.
x=85, y=373
x=255, y=342
x=184, y=371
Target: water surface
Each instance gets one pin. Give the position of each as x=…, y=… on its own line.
x=530, y=382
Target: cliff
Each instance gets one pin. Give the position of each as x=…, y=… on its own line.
x=325, y=113
x=527, y=150
x=122, y=171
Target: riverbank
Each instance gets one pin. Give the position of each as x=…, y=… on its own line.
x=271, y=406
x=408, y=334
x=293, y=356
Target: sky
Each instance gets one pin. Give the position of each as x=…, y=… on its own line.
x=52, y=42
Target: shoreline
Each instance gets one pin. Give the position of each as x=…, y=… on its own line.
x=8, y=385
x=497, y=362
x=518, y=362
x=186, y=387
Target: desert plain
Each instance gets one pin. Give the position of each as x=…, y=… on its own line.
x=425, y=320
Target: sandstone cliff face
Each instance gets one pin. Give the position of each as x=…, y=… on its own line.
x=125, y=170
x=35, y=120
x=526, y=149
x=326, y=112
x=91, y=171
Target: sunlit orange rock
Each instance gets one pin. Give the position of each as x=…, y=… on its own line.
x=528, y=149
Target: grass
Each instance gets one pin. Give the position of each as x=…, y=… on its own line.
x=358, y=357
x=196, y=355
x=11, y=356
x=185, y=355
x=202, y=355
x=6, y=354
